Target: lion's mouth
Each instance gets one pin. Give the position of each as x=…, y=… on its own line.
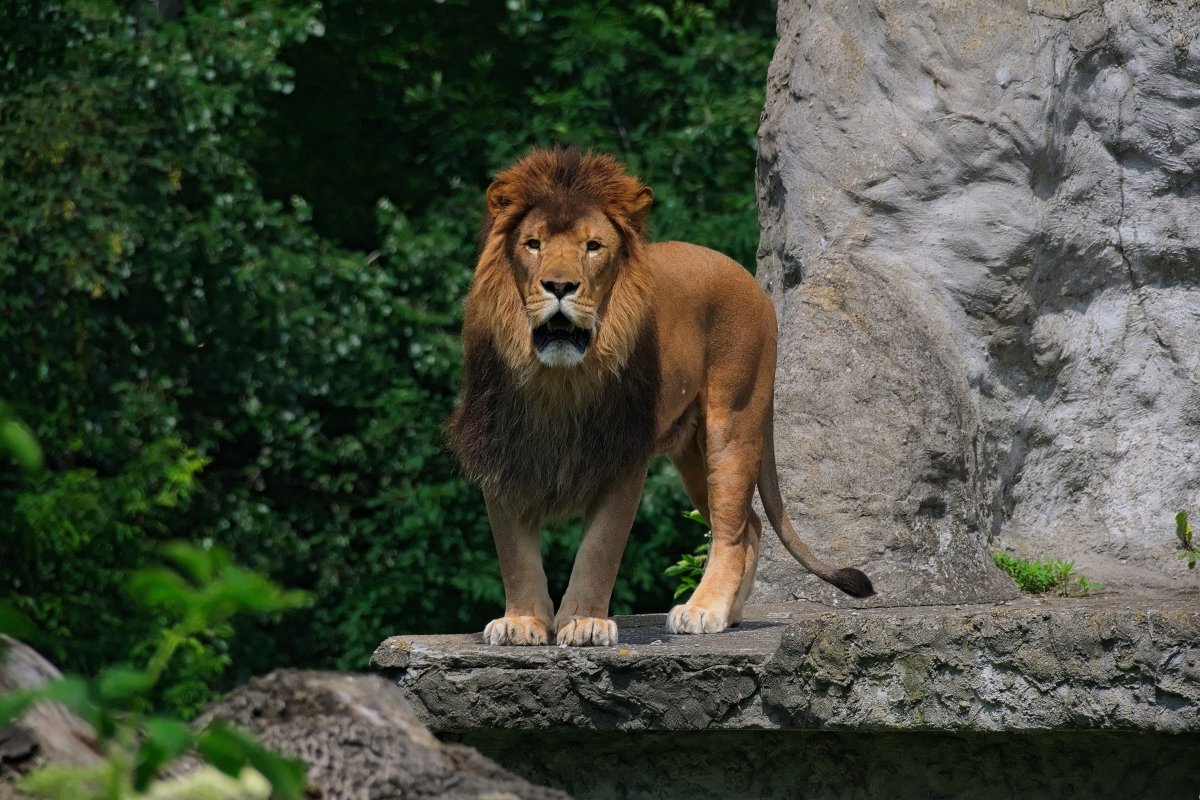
x=559, y=329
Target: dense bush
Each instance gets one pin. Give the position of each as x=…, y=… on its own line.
x=417, y=101
x=203, y=355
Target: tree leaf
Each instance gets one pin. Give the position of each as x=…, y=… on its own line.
x=230, y=750
x=194, y=562
x=165, y=739
x=156, y=586
x=13, y=703
x=285, y=774
x=120, y=683
x=15, y=623
x=222, y=749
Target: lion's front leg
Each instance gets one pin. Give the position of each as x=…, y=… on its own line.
x=528, y=611
x=582, y=618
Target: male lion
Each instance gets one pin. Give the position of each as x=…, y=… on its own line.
x=588, y=351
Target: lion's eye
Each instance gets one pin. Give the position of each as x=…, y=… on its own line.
x=533, y=244
x=593, y=246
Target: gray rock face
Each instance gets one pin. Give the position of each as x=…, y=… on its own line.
x=981, y=226
x=1064, y=664
x=1075, y=667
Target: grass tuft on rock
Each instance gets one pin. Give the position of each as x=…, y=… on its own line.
x=1047, y=575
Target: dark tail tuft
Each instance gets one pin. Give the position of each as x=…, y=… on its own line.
x=853, y=582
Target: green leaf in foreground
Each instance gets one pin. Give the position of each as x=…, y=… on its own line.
x=15, y=623
x=158, y=587
x=60, y=781
x=13, y=703
x=231, y=750
x=165, y=739
x=19, y=442
x=120, y=683
x=211, y=588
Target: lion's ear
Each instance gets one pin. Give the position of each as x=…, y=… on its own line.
x=499, y=197
x=642, y=201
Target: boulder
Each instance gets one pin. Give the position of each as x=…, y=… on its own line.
x=981, y=228
x=46, y=732
x=356, y=734
x=359, y=738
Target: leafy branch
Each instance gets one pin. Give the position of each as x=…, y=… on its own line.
x=202, y=592
x=690, y=568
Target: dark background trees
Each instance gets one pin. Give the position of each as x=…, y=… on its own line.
x=234, y=240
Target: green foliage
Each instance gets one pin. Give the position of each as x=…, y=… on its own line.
x=1183, y=530
x=690, y=568
x=1038, y=577
x=201, y=356
x=458, y=89
x=206, y=783
x=200, y=595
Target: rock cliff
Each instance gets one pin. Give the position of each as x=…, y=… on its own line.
x=981, y=226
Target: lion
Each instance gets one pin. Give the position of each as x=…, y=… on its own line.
x=587, y=352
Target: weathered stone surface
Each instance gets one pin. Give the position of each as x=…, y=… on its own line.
x=1062, y=666
x=1107, y=663
x=981, y=226
x=360, y=739
x=46, y=732
x=651, y=680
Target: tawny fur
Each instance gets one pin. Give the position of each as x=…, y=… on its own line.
x=680, y=361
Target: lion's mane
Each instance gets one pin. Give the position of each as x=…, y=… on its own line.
x=546, y=439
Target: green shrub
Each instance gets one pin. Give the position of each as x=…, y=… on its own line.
x=429, y=109
x=199, y=596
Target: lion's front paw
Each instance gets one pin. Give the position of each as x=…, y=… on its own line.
x=696, y=619
x=516, y=630
x=587, y=631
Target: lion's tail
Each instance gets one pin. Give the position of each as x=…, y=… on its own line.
x=851, y=581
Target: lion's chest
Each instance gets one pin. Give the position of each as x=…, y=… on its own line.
x=553, y=459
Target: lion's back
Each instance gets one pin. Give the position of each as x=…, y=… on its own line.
x=691, y=279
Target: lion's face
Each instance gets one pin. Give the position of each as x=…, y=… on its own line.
x=562, y=288
x=564, y=270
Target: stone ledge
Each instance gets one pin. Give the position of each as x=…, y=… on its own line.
x=1097, y=663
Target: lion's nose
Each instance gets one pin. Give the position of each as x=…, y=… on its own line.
x=559, y=289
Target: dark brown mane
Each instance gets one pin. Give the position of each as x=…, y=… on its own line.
x=552, y=460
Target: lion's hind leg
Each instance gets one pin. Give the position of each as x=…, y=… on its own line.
x=721, y=484
x=753, y=548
